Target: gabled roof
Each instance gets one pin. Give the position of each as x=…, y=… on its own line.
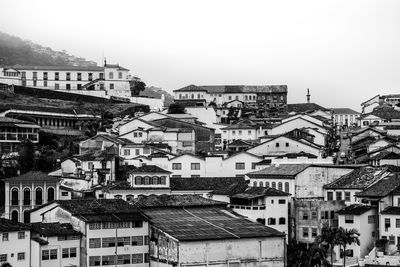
x=231, y=89
x=239, y=142
x=296, y=155
x=386, y=155
x=113, y=139
x=355, y=209
x=218, y=185
x=149, y=169
x=382, y=188
x=53, y=229
x=206, y=223
x=384, y=112
x=279, y=171
x=298, y=118
x=256, y=192
x=158, y=201
x=391, y=210
x=383, y=148
x=357, y=179
x=11, y=226
x=304, y=107
x=33, y=176
x=345, y=111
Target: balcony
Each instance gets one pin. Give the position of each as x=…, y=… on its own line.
x=247, y=207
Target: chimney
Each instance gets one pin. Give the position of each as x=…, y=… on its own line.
x=308, y=95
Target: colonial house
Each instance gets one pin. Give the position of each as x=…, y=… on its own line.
x=282, y=145
x=345, y=117
x=115, y=232
x=27, y=191
x=13, y=132
x=101, y=142
x=265, y=205
x=297, y=123
x=190, y=230
x=363, y=218
x=15, y=243
x=55, y=244
x=244, y=130
x=109, y=79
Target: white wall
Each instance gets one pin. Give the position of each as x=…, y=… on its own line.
x=15, y=246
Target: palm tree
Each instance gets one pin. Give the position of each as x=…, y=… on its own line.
x=346, y=237
x=313, y=257
x=327, y=238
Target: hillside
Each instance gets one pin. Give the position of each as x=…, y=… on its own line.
x=14, y=50
x=156, y=92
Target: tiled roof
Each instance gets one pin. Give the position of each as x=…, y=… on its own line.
x=149, y=169
x=345, y=111
x=304, y=107
x=279, y=171
x=255, y=192
x=391, y=210
x=357, y=179
x=382, y=188
x=69, y=111
x=158, y=201
x=33, y=176
x=384, y=112
x=5, y=121
x=219, y=185
x=386, y=155
x=115, y=66
x=296, y=155
x=11, y=226
x=61, y=68
x=53, y=229
x=355, y=209
x=215, y=89
x=206, y=223
x=101, y=209
x=239, y=142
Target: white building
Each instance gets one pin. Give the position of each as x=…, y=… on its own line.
x=15, y=243
x=345, y=117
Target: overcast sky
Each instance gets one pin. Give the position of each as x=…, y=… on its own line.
x=344, y=51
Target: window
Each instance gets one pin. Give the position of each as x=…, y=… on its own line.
x=371, y=219
x=277, y=144
x=280, y=186
x=68, y=76
x=44, y=83
x=53, y=254
x=287, y=144
x=95, y=243
x=50, y=194
x=347, y=196
x=137, y=258
x=27, y=196
x=253, y=166
x=45, y=255
x=101, y=76
x=137, y=151
x=14, y=197
x=255, y=183
x=94, y=261
x=177, y=166
x=64, y=194
x=137, y=240
x=261, y=184
x=108, y=242
x=111, y=75
x=108, y=260
x=305, y=215
x=15, y=216
x=281, y=201
x=314, y=215
x=387, y=223
x=21, y=235
x=397, y=223
x=287, y=187
x=274, y=185
x=5, y=237
x=338, y=195
x=195, y=166
x=79, y=86
x=137, y=224
x=146, y=240
x=111, y=86
x=314, y=232
x=330, y=195
x=79, y=76
x=127, y=152
x=349, y=218
x=56, y=86
x=240, y=166
x=3, y=257
x=305, y=232
x=56, y=76
x=90, y=76
x=391, y=240
x=34, y=75
x=94, y=226
x=45, y=76
x=65, y=253
x=39, y=196
x=123, y=241
x=271, y=221
x=282, y=220
x=124, y=259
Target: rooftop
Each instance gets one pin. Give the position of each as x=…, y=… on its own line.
x=382, y=188
x=355, y=209
x=206, y=223
x=304, y=107
x=345, y=111
x=149, y=169
x=158, y=201
x=33, y=176
x=53, y=229
x=11, y=226
x=255, y=192
x=215, y=89
x=279, y=171
x=391, y=210
x=357, y=179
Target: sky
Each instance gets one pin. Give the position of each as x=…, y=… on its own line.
x=344, y=51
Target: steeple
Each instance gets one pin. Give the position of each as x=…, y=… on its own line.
x=308, y=95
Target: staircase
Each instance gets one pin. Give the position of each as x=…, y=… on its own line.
x=86, y=86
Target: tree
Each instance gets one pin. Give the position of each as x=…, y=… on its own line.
x=136, y=85
x=27, y=156
x=327, y=238
x=346, y=237
x=176, y=108
x=311, y=257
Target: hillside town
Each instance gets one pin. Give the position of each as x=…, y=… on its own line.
x=227, y=175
